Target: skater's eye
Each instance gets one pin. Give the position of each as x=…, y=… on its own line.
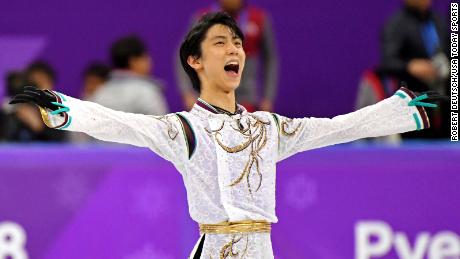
x=219, y=43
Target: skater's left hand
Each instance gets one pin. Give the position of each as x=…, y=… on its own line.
x=430, y=99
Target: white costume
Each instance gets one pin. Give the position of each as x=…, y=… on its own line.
x=228, y=163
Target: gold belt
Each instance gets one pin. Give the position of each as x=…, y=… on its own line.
x=244, y=226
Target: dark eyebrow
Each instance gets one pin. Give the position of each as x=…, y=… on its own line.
x=219, y=37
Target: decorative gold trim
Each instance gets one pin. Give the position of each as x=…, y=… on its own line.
x=244, y=226
x=283, y=129
x=172, y=131
x=227, y=249
x=256, y=137
x=45, y=117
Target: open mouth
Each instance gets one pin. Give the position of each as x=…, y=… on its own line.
x=232, y=68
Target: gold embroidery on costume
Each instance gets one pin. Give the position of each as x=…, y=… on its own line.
x=45, y=117
x=227, y=249
x=216, y=130
x=256, y=137
x=242, y=226
x=283, y=127
x=172, y=131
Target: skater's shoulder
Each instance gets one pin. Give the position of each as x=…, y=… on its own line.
x=264, y=114
x=189, y=116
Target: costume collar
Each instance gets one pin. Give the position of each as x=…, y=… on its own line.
x=217, y=110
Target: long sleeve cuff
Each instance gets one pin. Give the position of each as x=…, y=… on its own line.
x=420, y=116
x=56, y=121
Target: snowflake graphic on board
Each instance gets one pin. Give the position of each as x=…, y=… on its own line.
x=71, y=188
x=301, y=192
x=151, y=200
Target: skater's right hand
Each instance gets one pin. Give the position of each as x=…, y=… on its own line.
x=42, y=98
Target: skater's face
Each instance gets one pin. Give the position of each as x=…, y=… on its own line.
x=222, y=60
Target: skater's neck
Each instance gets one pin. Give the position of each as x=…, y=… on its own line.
x=221, y=99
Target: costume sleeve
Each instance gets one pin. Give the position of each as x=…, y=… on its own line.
x=389, y=116
x=162, y=134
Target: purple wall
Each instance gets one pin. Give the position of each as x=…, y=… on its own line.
x=324, y=45
x=86, y=202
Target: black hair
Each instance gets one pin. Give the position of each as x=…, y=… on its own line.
x=191, y=46
x=97, y=69
x=124, y=49
x=15, y=82
x=42, y=67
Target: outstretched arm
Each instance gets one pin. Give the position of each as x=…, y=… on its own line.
x=402, y=112
x=162, y=134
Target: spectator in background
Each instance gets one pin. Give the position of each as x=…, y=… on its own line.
x=23, y=123
x=375, y=86
x=130, y=87
x=3, y=121
x=261, y=56
x=41, y=74
x=14, y=81
x=94, y=76
x=415, y=50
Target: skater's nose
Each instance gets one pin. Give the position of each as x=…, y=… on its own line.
x=233, y=49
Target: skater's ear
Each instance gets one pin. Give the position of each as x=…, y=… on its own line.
x=194, y=62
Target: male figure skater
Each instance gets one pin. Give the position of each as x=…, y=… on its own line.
x=261, y=56
x=227, y=156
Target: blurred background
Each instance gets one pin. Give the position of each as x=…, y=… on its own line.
x=66, y=195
